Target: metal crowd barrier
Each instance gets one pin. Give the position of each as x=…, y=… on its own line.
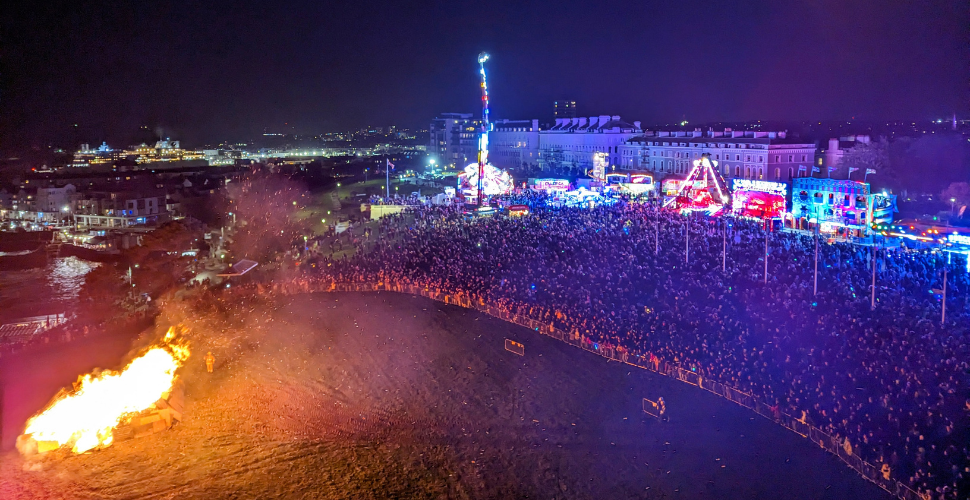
x=802, y=428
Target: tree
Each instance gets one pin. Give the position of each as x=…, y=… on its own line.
x=925, y=164
x=866, y=155
x=103, y=287
x=957, y=194
x=930, y=163
x=172, y=236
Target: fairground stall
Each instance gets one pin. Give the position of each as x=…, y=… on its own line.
x=840, y=207
x=630, y=184
x=582, y=198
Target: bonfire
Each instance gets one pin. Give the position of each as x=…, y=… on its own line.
x=86, y=417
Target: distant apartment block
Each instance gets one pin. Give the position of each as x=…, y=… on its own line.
x=454, y=139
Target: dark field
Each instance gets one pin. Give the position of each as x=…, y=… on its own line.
x=390, y=396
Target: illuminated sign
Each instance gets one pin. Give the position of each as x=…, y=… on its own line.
x=777, y=188
x=550, y=184
x=641, y=179
x=959, y=239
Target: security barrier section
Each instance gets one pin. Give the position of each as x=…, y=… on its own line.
x=514, y=347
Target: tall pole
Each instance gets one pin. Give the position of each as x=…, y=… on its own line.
x=766, y=256
x=815, y=292
x=483, y=139
x=873, y=275
x=387, y=173
x=724, y=247
x=943, y=314
x=656, y=226
x=687, y=246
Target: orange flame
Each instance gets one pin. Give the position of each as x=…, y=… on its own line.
x=86, y=417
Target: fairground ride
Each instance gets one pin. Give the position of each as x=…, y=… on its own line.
x=486, y=125
x=484, y=179
x=702, y=191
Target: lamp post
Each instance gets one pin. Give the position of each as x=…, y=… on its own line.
x=766, y=256
x=815, y=290
x=67, y=209
x=724, y=247
x=687, y=244
x=873, y=304
x=943, y=309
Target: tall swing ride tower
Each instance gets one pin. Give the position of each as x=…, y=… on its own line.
x=481, y=179
x=486, y=127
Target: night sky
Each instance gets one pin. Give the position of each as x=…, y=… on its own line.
x=212, y=70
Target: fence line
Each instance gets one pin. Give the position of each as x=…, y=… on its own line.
x=842, y=450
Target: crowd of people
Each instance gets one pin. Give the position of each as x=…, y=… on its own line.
x=890, y=381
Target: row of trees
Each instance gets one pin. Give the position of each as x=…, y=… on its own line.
x=155, y=266
x=914, y=165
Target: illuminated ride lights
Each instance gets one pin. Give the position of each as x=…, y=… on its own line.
x=483, y=179
x=495, y=182
x=702, y=191
x=483, y=138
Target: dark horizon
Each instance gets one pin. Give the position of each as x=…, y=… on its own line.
x=227, y=71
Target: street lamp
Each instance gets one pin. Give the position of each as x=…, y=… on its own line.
x=952, y=201
x=67, y=210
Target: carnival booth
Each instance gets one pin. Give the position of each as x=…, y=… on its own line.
x=583, y=198
x=840, y=206
x=632, y=184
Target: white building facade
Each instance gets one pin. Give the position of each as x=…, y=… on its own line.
x=567, y=147
x=743, y=154
x=514, y=143
x=55, y=199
